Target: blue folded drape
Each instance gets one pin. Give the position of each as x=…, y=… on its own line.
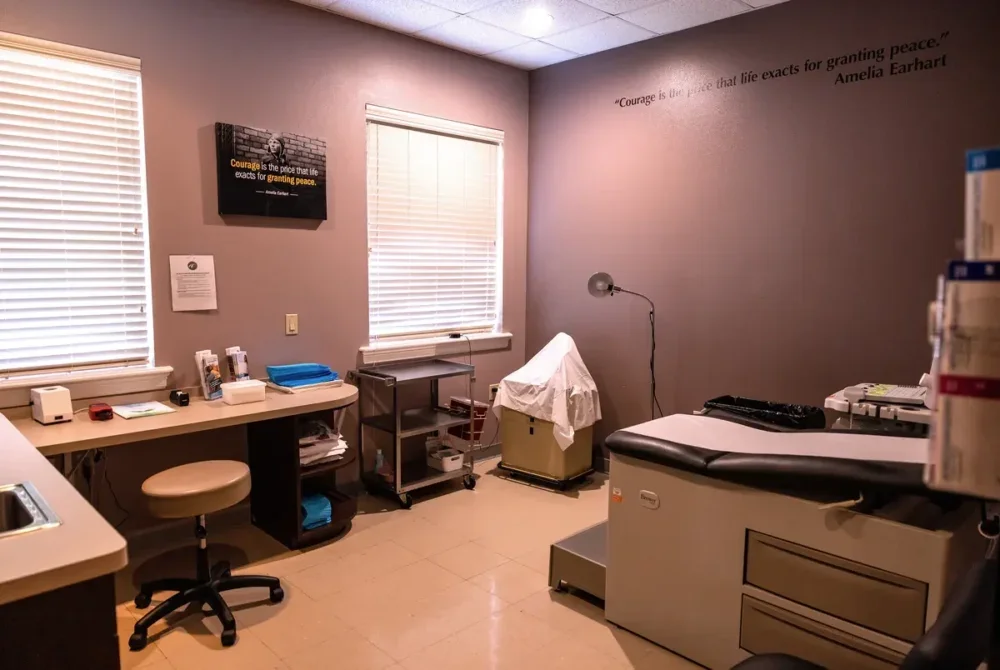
x=300, y=374
x=316, y=511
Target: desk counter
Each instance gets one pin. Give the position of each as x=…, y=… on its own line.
x=82, y=547
x=82, y=433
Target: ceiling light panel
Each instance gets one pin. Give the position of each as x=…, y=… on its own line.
x=406, y=16
x=674, y=15
x=605, y=34
x=473, y=36
x=518, y=16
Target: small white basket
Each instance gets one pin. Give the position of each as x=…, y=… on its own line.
x=445, y=460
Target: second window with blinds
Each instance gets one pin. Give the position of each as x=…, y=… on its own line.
x=434, y=226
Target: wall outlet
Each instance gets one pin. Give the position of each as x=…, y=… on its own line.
x=494, y=389
x=291, y=324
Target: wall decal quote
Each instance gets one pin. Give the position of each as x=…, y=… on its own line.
x=847, y=68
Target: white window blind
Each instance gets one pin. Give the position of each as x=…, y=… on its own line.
x=434, y=211
x=73, y=254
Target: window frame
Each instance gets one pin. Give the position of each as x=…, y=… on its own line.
x=117, y=376
x=416, y=344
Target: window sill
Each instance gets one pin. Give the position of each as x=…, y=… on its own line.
x=16, y=392
x=429, y=347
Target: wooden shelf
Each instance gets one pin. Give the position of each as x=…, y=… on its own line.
x=307, y=471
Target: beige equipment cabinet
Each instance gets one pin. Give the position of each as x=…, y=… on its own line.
x=528, y=446
x=716, y=571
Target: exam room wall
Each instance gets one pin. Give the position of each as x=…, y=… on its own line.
x=789, y=231
x=279, y=65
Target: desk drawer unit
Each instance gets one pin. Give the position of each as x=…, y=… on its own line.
x=766, y=629
x=866, y=596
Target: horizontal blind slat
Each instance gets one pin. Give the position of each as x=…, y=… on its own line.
x=73, y=278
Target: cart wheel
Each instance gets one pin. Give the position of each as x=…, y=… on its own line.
x=469, y=481
x=405, y=500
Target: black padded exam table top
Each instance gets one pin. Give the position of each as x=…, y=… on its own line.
x=681, y=445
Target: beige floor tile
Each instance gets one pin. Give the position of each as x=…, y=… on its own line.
x=346, y=649
x=402, y=633
x=158, y=665
x=194, y=644
x=398, y=589
x=511, y=581
x=567, y=614
x=421, y=536
x=536, y=559
x=135, y=659
x=661, y=659
x=469, y=559
x=326, y=579
x=567, y=653
x=295, y=624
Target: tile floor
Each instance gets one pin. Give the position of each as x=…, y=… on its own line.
x=458, y=581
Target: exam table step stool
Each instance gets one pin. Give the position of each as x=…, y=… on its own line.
x=194, y=490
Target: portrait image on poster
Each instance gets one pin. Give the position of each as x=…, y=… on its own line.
x=268, y=173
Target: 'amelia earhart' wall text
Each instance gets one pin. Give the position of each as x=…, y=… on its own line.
x=849, y=68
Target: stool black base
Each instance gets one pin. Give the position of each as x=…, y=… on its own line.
x=205, y=589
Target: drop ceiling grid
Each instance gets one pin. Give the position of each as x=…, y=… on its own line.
x=496, y=29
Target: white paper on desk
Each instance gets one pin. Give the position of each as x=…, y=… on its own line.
x=192, y=283
x=721, y=435
x=141, y=409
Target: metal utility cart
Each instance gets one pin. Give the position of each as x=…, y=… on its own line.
x=391, y=419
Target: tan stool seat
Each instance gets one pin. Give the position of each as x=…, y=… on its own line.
x=199, y=488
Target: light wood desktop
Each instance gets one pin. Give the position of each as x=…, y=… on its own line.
x=82, y=434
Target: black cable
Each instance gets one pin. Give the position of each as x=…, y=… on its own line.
x=114, y=496
x=652, y=362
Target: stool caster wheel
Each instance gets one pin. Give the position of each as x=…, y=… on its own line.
x=277, y=594
x=137, y=641
x=405, y=500
x=228, y=638
x=469, y=481
x=142, y=601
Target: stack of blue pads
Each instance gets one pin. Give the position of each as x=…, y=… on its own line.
x=316, y=511
x=300, y=374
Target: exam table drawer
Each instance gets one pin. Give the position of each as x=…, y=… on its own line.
x=766, y=629
x=858, y=593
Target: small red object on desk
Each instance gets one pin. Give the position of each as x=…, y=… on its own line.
x=101, y=412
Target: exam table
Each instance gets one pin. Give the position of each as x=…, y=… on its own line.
x=726, y=539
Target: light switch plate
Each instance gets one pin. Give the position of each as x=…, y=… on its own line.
x=291, y=324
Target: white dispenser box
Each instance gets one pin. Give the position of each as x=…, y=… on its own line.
x=237, y=393
x=51, y=404
x=982, y=205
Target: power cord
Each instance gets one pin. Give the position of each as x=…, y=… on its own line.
x=101, y=456
x=652, y=361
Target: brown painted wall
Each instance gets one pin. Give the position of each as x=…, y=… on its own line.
x=283, y=66
x=789, y=230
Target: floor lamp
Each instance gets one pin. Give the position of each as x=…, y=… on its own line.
x=600, y=285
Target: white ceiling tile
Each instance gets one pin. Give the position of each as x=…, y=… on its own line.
x=619, y=6
x=472, y=36
x=462, y=6
x=322, y=4
x=763, y=3
x=407, y=16
x=673, y=15
x=512, y=15
x=607, y=34
x=531, y=55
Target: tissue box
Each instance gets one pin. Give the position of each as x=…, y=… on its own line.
x=237, y=393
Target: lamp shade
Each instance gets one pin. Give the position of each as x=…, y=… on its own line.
x=600, y=284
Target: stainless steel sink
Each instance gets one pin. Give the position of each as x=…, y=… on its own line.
x=22, y=510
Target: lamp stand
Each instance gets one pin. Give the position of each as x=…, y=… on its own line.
x=654, y=404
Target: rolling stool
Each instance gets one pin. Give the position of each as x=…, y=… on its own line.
x=197, y=489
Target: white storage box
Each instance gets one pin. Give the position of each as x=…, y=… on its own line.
x=445, y=460
x=238, y=393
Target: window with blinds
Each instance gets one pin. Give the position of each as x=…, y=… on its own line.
x=434, y=212
x=74, y=285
